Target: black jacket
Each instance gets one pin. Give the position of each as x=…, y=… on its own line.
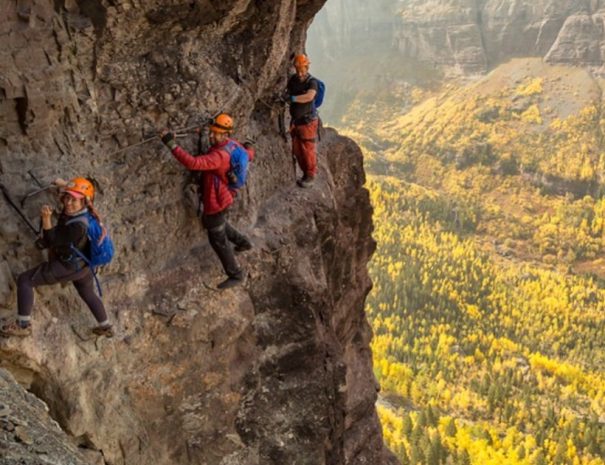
x=60, y=238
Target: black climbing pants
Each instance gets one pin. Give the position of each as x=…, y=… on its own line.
x=54, y=272
x=220, y=235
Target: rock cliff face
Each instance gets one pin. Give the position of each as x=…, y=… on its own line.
x=477, y=35
x=470, y=35
x=359, y=46
x=276, y=372
x=23, y=419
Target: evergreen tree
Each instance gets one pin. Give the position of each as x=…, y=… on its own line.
x=407, y=425
x=431, y=455
x=403, y=457
x=491, y=398
x=600, y=441
x=464, y=458
x=431, y=418
x=439, y=449
x=560, y=457
x=450, y=428
x=550, y=418
x=540, y=459
x=416, y=455
x=417, y=434
x=488, y=437
x=421, y=421
x=425, y=443
x=509, y=411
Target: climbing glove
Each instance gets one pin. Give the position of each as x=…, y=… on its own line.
x=168, y=140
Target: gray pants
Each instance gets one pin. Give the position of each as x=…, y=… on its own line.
x=54, y=272
x=220, y=235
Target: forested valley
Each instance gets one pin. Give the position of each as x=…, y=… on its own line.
x=488, y=305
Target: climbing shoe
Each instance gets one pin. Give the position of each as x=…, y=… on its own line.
x=305, y=181
x=232, y=281
x=14, y=329
x=242, y=247
x=106, y=331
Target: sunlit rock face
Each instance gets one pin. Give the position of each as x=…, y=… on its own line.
x=469, y=36
x=478, y=35
x=276, y=372
x=368, y=47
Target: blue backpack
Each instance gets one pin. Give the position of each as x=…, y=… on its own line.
x=321, y=92
x=101, y=252
x=238, y=161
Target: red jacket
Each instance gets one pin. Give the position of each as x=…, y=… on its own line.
x=215, y=164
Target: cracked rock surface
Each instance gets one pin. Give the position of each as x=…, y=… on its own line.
x=276, y=372
x=27, y=434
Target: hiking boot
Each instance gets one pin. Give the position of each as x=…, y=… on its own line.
x=232, y=281
x=106, y=331
x=243, y=247
x=305, y=181
x=16, y=330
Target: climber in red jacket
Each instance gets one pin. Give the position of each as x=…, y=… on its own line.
x=301, y=91
x=217, y=195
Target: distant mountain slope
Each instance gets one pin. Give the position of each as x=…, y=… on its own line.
x=526, y=141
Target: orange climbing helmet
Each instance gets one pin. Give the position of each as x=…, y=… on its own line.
x=222, y=124
x=80, y=188
x=301, y=61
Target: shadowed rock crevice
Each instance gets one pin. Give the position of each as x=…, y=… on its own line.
x=21, y=105
x=96, y=12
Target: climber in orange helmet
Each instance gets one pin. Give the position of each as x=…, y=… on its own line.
x=64, y=264
x=301, y=91
x=217, y=192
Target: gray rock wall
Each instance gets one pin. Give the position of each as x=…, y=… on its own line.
x=276, y=372
x=477, y=35
x=28, y=436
